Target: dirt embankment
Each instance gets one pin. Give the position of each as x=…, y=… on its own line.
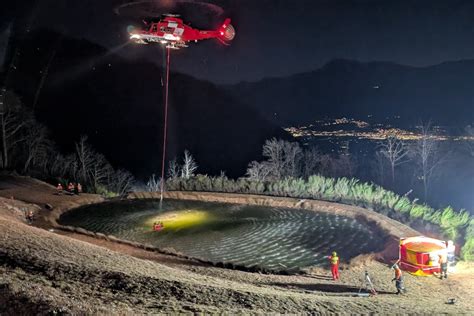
x=49, y=204
x=43, y=272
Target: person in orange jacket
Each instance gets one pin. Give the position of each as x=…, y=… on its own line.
x=158, y=226
x=334, y=259
x=398, y=279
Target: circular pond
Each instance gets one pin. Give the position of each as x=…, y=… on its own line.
x=269, y=237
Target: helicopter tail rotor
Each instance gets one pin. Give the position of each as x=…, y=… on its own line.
x=226, y=31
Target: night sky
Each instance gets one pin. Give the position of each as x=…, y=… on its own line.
x=282, y=37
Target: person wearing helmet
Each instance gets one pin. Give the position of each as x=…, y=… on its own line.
x=59, y=189
x=70, y=188
x=398, y=279
x=30, y=217
x=334, y=260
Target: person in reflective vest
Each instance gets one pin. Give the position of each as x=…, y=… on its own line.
x=334, y=259
x=398, y=279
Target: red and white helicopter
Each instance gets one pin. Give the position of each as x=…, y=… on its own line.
x=172, y=31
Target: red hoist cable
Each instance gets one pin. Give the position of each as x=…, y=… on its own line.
x=165, y=125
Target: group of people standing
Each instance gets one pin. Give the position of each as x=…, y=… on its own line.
x=334, y=262
x=398, y=278
x=72, y=188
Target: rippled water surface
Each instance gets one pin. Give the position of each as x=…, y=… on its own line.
x=275, y=238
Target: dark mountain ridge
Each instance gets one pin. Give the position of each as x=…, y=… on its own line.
x=443, y=93
x=119, y=104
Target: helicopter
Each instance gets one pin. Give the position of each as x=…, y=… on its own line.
x=174, y=33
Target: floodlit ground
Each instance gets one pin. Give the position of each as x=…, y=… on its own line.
x=44, y=271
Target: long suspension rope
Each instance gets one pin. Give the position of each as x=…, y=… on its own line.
x=165, y=125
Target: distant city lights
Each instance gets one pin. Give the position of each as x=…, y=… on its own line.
x=361, y=130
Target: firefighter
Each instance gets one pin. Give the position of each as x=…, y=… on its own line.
x=157, y=226
x=334, y=260
x=78, y=188
x=59, y=189
x=70, y=188
x=398, y=279
x=30, y=217
x=443, y=265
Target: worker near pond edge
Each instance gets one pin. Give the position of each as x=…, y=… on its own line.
x=70, y=187
x=334, y=259
x=78, y=188
x=59, y=189
x=158, y=226
x=398, y=279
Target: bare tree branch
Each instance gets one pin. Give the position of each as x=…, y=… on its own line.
x=174, y=169
x=395, y=151
x=258, y=171
x=284, y=158
x=122, y=182
x=427, y=155
x=153, y=184
x=189, y=165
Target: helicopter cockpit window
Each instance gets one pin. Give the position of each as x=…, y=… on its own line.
x=154, y=28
